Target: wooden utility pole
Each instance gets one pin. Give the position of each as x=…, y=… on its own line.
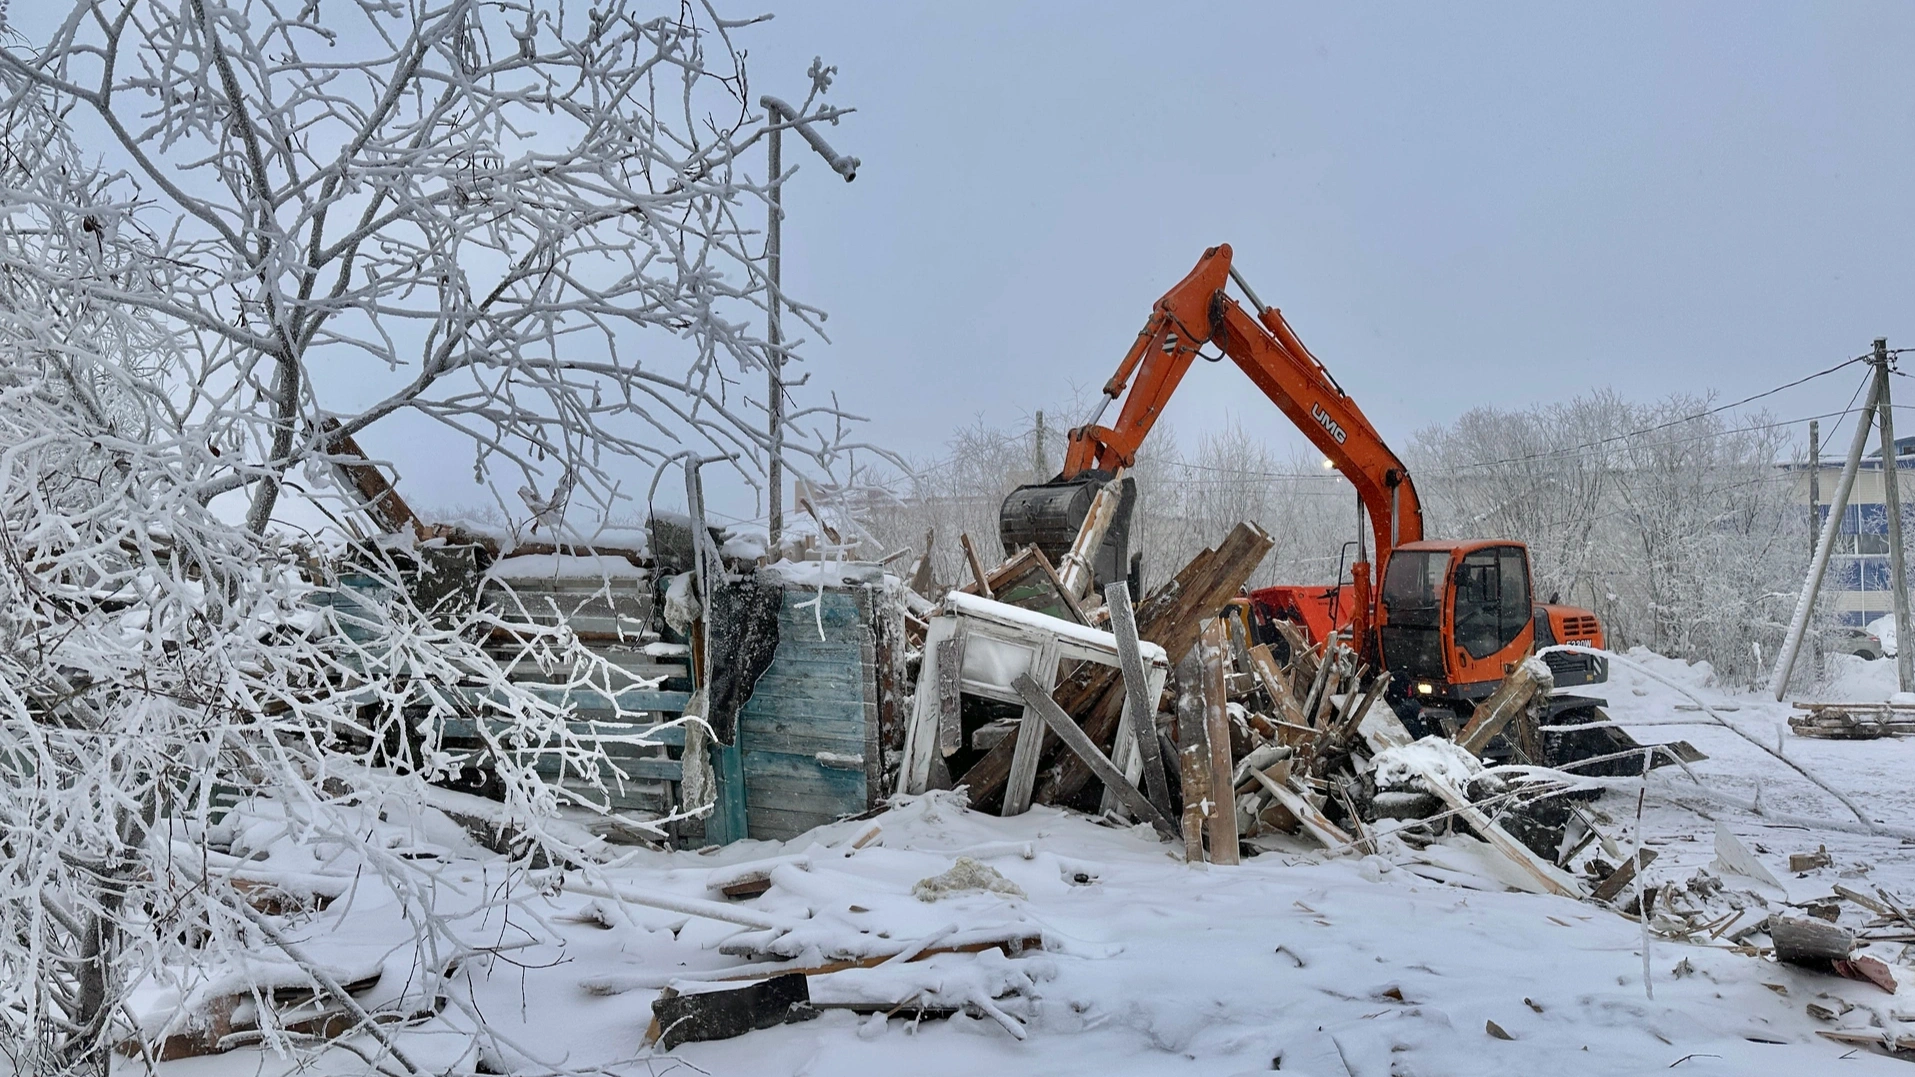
x=1892, y=504
x=1037, y=450
x=1798, y=624
x=1815, y=483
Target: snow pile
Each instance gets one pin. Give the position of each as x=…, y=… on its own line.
x=1858, y=680
x=966, y=874
x=1400, y=767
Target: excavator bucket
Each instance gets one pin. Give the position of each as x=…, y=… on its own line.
x=1049, y=515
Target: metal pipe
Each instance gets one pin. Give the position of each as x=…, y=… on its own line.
x=1785, y=662
x=842, y=165
x=774, y=329
x=1245, y=285
x=774, y=337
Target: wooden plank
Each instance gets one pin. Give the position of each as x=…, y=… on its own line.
x=1039, y=700
x=921, y=576
x=1275, y=684
x=920, y=734
x=785, y=767
x=1171, y=618
x=1076, y=571
x=630, y=700
x=1193, y=754
x=780, y=824
x=1306, y=813
x=1620, y=878
x=798, y=713
x=1221, y=827
x=950, y=703
x=1140, y=709
x=468, y=729
x=1028, y=747
x=1523, y=683
x=978, y=574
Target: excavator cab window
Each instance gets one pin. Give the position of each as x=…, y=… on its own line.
x=1413, y=607
x=1492, y=599
x=1413, y=587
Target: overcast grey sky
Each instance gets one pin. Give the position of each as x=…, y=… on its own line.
x=1454, y=204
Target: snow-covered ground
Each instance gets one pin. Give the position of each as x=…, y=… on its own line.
x=1292, y=961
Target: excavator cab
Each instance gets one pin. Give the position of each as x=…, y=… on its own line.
x=1452, y=615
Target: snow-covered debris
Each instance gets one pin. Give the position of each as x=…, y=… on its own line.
x=1399, y=767
x=824, y=573
x=966, y=875
x=1001, y=611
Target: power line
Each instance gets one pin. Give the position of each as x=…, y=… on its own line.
x=1573, y=449
x=954, y=456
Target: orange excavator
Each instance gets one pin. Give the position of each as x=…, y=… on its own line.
x=1449, y=615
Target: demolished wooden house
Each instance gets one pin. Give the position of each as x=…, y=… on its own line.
x=760, y=700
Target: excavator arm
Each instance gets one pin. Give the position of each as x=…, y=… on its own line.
x=1197, y=312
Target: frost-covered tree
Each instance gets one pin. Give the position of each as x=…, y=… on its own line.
x=523, y=221
x=219, y=225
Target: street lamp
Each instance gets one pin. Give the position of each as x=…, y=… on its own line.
x=784, y=115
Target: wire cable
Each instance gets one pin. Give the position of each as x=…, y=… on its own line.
x=1573, y=449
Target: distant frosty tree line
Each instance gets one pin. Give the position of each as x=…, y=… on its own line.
x=1680, y=532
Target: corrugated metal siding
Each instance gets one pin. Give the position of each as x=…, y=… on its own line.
x=814, y=699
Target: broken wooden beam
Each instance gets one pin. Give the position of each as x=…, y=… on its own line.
x=723, y=1014
x=1172, y=618
x=377, y=496
x=921, y=576
x=978, y=574
x=1193, y=756
x=1306, y=813
x=1548, y=876
x=1620, y=878
x=1075, y=568
x=1039, y=701
x=1221, y=827
x=1525, y=681
x=1275, y=684
x=1809, y=942
x=1141, y=710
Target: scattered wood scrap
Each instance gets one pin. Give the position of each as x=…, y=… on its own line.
x=729, y=1012
x=1853, y=721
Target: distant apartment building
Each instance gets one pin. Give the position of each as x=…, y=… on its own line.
x=1858, y=586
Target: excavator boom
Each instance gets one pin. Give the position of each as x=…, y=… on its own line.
x=1198, y=312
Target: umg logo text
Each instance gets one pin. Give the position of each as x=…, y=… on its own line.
x=1324, y=420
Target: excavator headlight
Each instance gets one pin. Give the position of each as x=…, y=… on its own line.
x=1424, y=688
